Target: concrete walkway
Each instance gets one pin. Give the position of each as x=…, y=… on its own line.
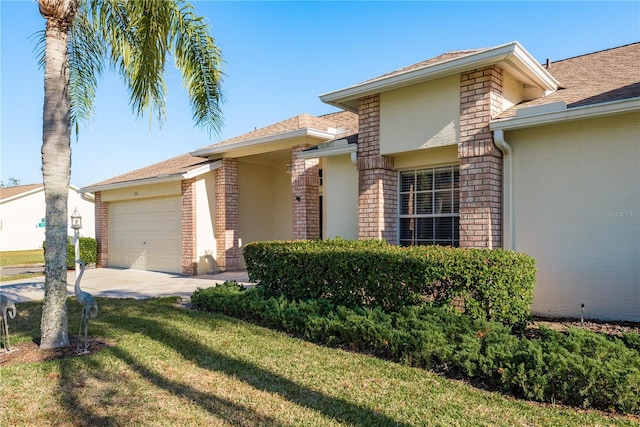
x=122, y=283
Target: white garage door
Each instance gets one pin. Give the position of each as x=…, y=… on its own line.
x=146, y=234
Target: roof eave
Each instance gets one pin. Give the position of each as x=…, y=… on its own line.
x=569, y=114
x=160, y=179
x=21, y=195
x=241, y=145
x=326, y=152
x=511, y=55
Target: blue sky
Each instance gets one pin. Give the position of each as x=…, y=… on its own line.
x=279, y=56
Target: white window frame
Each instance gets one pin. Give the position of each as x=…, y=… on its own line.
x=454, y=192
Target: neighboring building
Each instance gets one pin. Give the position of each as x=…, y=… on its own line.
x=479, y=148
x=22, y=216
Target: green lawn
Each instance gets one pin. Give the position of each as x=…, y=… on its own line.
x=173, y=366
x=11, y=258
x=15, y=258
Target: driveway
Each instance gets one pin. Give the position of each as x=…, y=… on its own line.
x=122, y=283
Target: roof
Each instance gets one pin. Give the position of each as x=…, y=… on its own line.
x=510, y=56
x=175, y=167
x=336, y=124
x=599, y=77
x=8, y=192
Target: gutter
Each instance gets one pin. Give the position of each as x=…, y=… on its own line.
x=508, y=241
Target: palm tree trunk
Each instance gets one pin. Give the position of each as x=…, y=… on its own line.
x=56, y=171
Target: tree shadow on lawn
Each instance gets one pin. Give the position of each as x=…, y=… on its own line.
x=257, y=377
x=84, y=415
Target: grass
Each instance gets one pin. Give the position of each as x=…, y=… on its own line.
x=17, y=258
x=13, y=258
x=172, y=366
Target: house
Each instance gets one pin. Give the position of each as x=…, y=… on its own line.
x=482, y=148
x=22, y=216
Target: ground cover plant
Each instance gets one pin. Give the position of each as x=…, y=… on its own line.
x=163, y=364
x=579, y=368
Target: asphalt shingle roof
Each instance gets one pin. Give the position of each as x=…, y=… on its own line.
x=174, y=166
x=5, y=193
x=341, y=119
x=604, y=76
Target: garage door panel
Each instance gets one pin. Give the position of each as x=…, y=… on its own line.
x=146, y=234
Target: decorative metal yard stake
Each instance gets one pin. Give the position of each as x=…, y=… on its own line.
x=89, y=307
x=6, y=304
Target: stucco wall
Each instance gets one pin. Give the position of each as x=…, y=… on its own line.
x=264, y=201
x=20, y=219
x=340, y=210
x=205, y=222
x=424, y=115
x=142, y=191
x=577, y=212
x=441, y=156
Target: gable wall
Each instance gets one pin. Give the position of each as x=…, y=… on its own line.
x=424, y=115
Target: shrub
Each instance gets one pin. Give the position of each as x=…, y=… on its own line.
x=579, y=368
x=88, y=251
x=491, y=284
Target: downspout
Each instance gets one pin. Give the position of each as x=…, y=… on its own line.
x=507, y=186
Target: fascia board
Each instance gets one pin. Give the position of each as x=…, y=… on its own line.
x=511, y=53
x=117, y=185
x=155, y=180
x=226, y=148
x=21, y=195
x=576, y=113
x=202, y=170
x=326, y=152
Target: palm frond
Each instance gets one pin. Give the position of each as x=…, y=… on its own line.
x=141, y=34
x=86, y=59
x=199, y=59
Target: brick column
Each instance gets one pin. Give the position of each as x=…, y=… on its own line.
x=102, y=230
x=305, y=195
x=188, y=205
x=227, y=217
x=480, y=159
x=377, y=178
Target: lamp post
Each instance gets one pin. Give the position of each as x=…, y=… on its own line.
x=76, y=224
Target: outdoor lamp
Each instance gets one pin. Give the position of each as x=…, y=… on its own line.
x=76, y=220
x=76, y=224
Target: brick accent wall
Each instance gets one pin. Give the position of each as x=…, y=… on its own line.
x=305, y=195
x=480, y=159
x=102, y=230
x=377, y=178
x=227, y=218
x=188, y=204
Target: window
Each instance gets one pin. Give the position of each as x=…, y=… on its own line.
x=430, y=206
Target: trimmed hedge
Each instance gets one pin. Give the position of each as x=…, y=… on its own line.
x=579, y=368
x=489, y=284
x=88, y=251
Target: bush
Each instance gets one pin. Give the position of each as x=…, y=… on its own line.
x=88, y=251
x=489, y=284
x=579, y=368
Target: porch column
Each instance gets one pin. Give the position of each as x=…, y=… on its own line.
x=188, y=204
x=480, y=159
x=305, y=195
x=377, y=178
x=102, y=230
x=227, y=216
